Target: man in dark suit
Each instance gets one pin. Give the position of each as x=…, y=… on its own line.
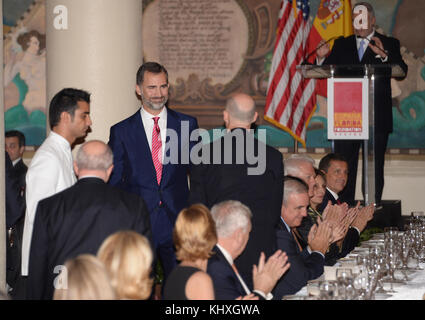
x=367, y=46
x=233, y=224
x=335, y=168
x=306, y=263
x=151, y=157
x=15, y=211
x=15, y=147
x=230, y=171
x=78, y=219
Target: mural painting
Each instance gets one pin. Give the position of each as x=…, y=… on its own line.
x=25, y=75
x=212, y=49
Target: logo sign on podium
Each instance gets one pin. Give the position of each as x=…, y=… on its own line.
x=348, y=112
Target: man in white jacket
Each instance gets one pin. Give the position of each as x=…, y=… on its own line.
x=51, y=169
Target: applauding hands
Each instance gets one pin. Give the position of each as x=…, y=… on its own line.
x=320, y=236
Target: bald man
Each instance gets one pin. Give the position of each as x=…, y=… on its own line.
x=78, y=219
x=240, y=167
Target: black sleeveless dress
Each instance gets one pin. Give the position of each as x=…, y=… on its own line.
x=175, y=286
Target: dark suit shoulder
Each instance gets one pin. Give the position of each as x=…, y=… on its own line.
x=180, y=115
x=347, y=39
x=124, y=123
x=21, y=167
x=384, y=37
x=88, y=190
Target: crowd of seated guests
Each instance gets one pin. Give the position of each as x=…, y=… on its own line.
x=208, y=242
x=207, y=236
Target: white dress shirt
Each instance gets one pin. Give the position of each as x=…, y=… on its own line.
x=148, y=124
x=50, y=171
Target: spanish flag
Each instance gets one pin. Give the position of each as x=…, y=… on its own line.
x=333, y=19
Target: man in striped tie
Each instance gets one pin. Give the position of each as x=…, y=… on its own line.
x=142, y=144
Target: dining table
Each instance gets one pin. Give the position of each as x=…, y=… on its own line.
x=412, y=288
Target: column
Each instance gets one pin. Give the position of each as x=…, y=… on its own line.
x=96, y=45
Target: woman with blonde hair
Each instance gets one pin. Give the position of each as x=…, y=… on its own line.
x=194, y=237
x=83, y=278
x=128, y=257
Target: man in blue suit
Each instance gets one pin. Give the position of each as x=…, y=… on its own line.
x=151, y=157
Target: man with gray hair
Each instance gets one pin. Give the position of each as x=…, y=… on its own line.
x=260, y=189
x=306, y=263
x=78, y=219
x=301, y=166
x=233, y=225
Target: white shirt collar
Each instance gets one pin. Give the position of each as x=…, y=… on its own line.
x=14, y=162
x=335, y=195
x=59, y=139
x=147, y=116
x=226, y=254
x=286, y=225
x=89, y=176
x=369, y=37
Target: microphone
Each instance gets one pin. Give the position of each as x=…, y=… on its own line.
x=305, y=61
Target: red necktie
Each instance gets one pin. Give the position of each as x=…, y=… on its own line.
x=157, y=149
x=338, y=202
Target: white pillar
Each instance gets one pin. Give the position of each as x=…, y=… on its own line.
x=96, y=45
x=2, y=173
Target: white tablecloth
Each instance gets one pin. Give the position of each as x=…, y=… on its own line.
x=414, y=289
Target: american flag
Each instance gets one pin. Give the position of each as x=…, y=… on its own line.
x=291, y=99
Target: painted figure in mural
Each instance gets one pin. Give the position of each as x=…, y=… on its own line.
x=30, y=64
x=27, y=70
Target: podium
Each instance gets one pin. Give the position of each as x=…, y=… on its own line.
x=370, y=73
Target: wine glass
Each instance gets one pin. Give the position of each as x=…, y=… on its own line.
x=392, y=262
x=360, y=283
x=406, y=243
x=380, y=268
x=417, y=246
x=371, y=285
x=344, y=278
x=327, y=290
